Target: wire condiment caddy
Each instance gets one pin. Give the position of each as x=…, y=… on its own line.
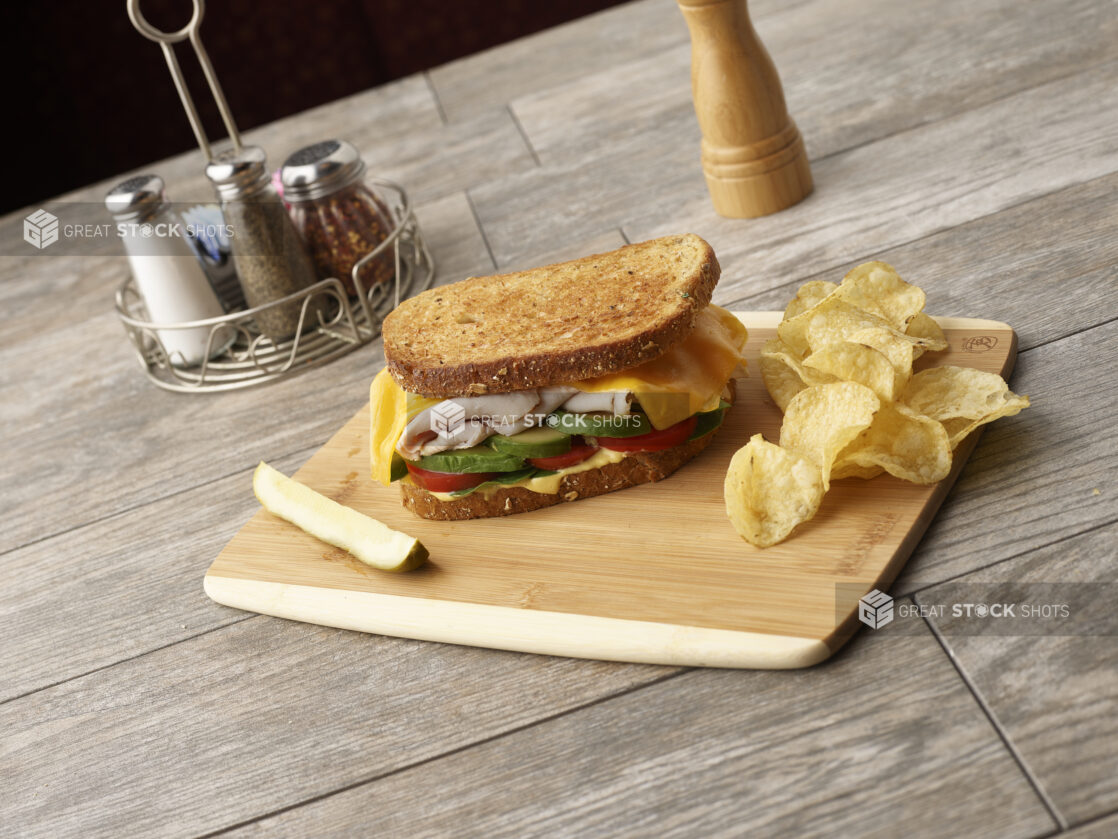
x=332, y=320
x=253, y=358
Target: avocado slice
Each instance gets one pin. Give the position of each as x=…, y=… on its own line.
x=709, y=420
x=475, y=459
x=600, y=425
x=532, y=442
x=399, y=468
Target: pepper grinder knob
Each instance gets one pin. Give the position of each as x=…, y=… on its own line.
x=753, y=156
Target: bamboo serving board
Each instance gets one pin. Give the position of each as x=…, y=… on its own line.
x=654, y=573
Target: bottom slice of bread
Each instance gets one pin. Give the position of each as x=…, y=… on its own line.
x=636, y=468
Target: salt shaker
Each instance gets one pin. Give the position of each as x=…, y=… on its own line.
x=167, y=272
x=269, y=255
x=339, y=217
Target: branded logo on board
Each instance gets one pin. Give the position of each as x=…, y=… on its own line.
x=875, y=609
x=980, y=343
x=40, y=229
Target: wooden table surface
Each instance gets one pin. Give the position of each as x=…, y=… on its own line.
x=971, y=143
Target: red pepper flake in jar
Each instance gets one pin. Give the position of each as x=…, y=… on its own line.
x=339, y=217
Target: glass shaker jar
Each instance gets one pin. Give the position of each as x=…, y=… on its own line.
x=167, y=273
x=339, y=217
x=267, y=252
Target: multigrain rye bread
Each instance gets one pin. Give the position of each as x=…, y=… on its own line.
x=636, y=468
x=559, y=323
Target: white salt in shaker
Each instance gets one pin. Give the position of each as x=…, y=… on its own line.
x=168, y=275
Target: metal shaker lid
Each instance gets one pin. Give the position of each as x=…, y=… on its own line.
x=319, y=169
x=236, y=173
x=137, y=197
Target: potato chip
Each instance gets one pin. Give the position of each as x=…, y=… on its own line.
x=821, y=420
x=964, y=397
x=877, y=288
x=899, y=351
x=851, y=470
x=841, y=371
x=851, y=362
x=784, y=374
x=781, y=380
x=928, y=334
x=769, y=491
x=810, y=294
x=835, y=320
x=908, y=445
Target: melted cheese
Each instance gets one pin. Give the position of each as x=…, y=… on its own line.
x=689, y=377
x=547, y=484
x=390, y=410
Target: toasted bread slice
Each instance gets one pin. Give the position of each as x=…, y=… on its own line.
x=637, y=468
x=551, y=325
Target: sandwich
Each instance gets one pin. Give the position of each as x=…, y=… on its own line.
x=508, y=393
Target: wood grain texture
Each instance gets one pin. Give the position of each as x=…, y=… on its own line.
x=1058, y=703
x=684, y=590
x=852, y=73
x=119, y=587
x=882, y=736
x=1104, y=828
x=114, y=441
x=491, y=79
x=1048, y=266
x=262, y=715
x=867, y=198
x=1033, y=477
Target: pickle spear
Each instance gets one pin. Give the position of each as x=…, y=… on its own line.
x=371, y=541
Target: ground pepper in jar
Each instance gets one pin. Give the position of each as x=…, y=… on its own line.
x=269, y=255
x=340, y=218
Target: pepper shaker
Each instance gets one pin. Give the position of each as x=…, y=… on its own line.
x=269, y=256
x=166, y=270
x=339, y=217
x=753, y=156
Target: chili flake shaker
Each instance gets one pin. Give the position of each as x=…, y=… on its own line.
x=166, y=270
x=267, y=252
x=340, y=218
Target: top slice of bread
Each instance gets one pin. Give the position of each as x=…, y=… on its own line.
x=559, y=323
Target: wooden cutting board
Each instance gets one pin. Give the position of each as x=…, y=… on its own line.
x=654, y=573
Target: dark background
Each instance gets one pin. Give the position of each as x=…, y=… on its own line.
x=89, y=97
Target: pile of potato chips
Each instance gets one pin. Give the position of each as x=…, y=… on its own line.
x=841, y=371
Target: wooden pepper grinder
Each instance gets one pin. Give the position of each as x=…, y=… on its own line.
x=752, y=152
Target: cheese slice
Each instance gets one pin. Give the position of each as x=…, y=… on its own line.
x=689, y=377
x=390, y=410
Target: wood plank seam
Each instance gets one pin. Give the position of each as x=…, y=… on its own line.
x=450, y=752
x=435, y=96
x=527, y=140
x=1003, y=735
x=236, y=620
x=110, y=516
x=481, y=228
x=954, y=577
x=792, y=285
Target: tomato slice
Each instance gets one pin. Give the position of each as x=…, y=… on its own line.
x=653, y=441
x=447, y=481
x=578, y=453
